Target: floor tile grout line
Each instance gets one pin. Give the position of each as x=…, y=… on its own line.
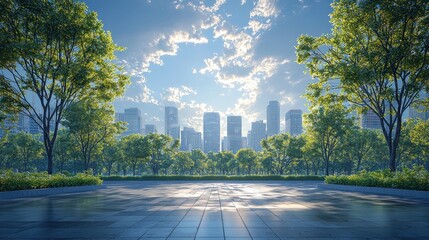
x=198, y=228
x=221, y=212
x=186, y=214
x=239, y=214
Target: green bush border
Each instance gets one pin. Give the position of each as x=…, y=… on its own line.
x=416, y=178
x=10, y=181
x=214, y=177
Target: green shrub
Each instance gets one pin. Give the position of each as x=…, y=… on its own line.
x=416, y=178
x=10, y=181
x=213, y=177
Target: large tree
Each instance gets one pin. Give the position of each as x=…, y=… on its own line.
x=377, y=54
x=160, y=147
x=327, y=124
x=54, y=53
x=90, y=124
x=276, y=148
x=27, y=147
x=247, y=159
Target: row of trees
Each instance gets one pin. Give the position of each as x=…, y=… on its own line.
x=332, y=144
x=376, y=59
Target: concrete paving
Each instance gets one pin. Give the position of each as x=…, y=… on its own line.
x=214, y=210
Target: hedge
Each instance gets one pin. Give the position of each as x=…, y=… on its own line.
x=10, y=181
x=416, y=178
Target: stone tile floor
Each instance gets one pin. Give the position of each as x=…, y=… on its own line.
x=214, y=210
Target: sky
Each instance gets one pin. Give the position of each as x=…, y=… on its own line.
x=228, y=56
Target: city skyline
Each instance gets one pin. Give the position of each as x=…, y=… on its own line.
x=224, y=56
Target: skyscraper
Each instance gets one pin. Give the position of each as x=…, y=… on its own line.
x=172, y=126
x=149, y=128
x=234, y=133
x=370, y=120
x=418, y=111
x=257, y=133
x=133, y=117
x=293, y=122
x=273, y=118
x=190, y=139
x=211, y=132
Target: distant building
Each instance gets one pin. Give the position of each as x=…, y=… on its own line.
x=293, y=122
x=15, y=124
x=273, y=118
x=235, y=141
x=419, y=111
x=370, y=120
x=149, y=128
x=190, y=139
x=34, y=128
x=258, y=132
x=119, y=117
x=172, y=127
x=225, y=144
x=211, y=131
x=132, y=116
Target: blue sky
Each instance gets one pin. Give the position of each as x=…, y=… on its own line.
x=229, y=56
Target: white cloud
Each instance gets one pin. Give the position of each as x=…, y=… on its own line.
x=168, y=45
x=145, y=97
x=265, y=8
x=175, y=95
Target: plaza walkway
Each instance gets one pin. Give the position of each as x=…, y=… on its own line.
x=214, y=210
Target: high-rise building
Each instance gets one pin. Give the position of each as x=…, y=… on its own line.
x=172, y=127
x=257, y=134
x=418, y=111
x=370, y=120
x=190, y=139
x=119, y=117
x=225, y=144
x=34, y=128
x=133, y=117
x=273, y=118
x=293, y=122
x=211, y=132
x=149, y=128
x=15, y=124
x=235, y=141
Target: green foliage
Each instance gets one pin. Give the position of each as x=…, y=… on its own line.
x=327, y=123
x=59, y=52
x=247, y=159
x=91, y=123
x=216, y=178
x=375, y=58
x=10, y=181
x=416, y=178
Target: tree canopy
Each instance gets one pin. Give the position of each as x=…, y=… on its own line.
x=58, y=53
x=376, y=58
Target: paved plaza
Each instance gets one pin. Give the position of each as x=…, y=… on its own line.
x=214, y=210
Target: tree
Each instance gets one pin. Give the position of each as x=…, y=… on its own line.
x=27, y=147
x=277, y=149
x=378, y=50
x=182, y=163
x=159, y=145
x=57, y=52
x=247, y=159
x=111, y=154
x=136, y=150
x=327, y=125
x=90, y=124
x=199, y=158
x=64, y=148
x=223, y=159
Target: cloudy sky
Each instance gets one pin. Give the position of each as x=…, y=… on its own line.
x=229, y=56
